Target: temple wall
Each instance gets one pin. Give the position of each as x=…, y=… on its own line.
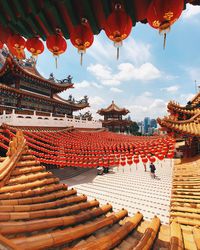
x=46, y=121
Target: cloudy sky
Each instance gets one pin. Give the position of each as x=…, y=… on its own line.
x=145, y=77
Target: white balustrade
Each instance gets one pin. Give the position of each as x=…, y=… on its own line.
x=34, y=120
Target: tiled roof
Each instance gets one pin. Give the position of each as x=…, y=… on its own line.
x=52, y=100
x=113, y=108
x=11, y=64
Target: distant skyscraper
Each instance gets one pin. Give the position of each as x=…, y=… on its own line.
x=146, y=124
x=153, y=123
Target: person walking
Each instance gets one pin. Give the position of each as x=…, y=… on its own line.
x=152, y=170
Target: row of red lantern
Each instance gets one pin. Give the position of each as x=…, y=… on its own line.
x=160, y=15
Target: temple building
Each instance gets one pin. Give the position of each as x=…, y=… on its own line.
x=183, y=122
x=23, y=88
x=113, y=120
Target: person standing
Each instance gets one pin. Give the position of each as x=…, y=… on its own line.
x=152, y=170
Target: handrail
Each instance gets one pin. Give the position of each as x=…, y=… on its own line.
x=15, y=150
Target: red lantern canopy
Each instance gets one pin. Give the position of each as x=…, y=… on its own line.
x=162, y=14
x=56, y=44
x=35, y=46
x=16, y=45
x=118, y=26
x=82, y=37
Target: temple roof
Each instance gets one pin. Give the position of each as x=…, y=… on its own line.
x=113, y=108
x=56, y=99
x=188, y=127
x=31, y=71
x=177, y=108
x=190, y=115
x=39, y=17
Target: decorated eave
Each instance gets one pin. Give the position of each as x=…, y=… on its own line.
x=113, y=108
x=31, y=72
x=57, y=101
x=195, y=102
x=176, y=108
x=42, y=17
x=188, y=127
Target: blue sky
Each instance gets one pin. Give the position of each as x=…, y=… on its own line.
x=145, y=77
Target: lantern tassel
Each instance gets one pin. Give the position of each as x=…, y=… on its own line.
x=81, y=59
x=117, y=53
x=164, y=42
x=56, y=61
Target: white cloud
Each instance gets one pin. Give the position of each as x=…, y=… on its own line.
x=147, y=106
x=191, y=11
x=116, y=90
x=194, y=73
x=96, y=101
x=83, y=84
x=146, y=72
x=172, y=89
x=86, y=84
x=100, y=71
x=184, y=98
x=126, y=72
x=134, y=51
x=147, y=93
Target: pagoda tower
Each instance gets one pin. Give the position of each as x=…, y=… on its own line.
x=113, y=118
x=23, y=88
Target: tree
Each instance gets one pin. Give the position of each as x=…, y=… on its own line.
x=134, y=129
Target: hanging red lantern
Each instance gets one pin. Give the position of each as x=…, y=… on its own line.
x=82, y=37
x=16, y=43
x=1, y=45
x=152, y=159
x=56, y=44
x=35, y=46
x=162, y=15
x=19, y=54
x=118, y=26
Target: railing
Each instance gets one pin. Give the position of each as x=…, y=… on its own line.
x=15, y=150
x=36, y=120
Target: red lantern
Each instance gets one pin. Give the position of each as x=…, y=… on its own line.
x=162, y=14
x=19, y=55
x=152, y=159
x=118, y=26
x=1, y=45
x=136, y=160
x=35, y=46
x=144, y=160
x=82, y=37
x=160, y=157
x=16, y=45
x=56, y=44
